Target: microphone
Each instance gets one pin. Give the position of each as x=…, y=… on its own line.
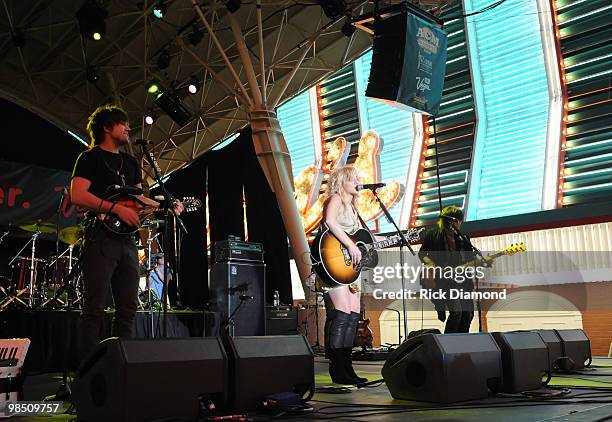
x=372, y=186
x=130, y=190
x=143, y=142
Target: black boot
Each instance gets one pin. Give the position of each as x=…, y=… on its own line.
x=337, y=367
x=348, y=366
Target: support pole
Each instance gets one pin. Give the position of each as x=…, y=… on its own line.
x=275, y=161
x=243, y=52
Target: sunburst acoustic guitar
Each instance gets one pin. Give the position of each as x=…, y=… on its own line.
x=333, y=263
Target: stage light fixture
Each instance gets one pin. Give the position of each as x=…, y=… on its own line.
x=153, y=87
x=173, y=107
x=195, y=36
x=163, y=61
x=194, y=86
x=159, y=10
x=333, y=9
x=150, y=117
x=92, y=24
x=232, y=5
x=348, y=29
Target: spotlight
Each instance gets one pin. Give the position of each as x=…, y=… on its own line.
x=150, y=117
x=173, y=107
x=159, y=10
x=91, y=19
x=195, y=36
x=194, y=86
x=348, y=29
x=153, y=87
x=92, y=76
x=233, y=5
x=163, y=61
x=18, y=38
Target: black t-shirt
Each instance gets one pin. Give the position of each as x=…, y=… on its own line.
x=104, y=169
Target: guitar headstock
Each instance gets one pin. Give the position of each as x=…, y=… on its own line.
x=515, y=248
x=191, y=204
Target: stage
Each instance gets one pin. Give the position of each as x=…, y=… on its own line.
x=54, y=333
x=590, y=399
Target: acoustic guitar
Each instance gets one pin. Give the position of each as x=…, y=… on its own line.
x=333, y=263
x=115, y=225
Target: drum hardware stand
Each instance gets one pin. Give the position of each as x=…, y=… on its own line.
x=149, y=270
x=32, y=273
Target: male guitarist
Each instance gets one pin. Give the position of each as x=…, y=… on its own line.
x=107, y=259
x=443, y=246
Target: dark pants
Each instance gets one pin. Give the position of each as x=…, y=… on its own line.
x=108, y=261
x=461, y=312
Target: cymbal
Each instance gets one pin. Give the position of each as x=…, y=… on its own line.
x=71, y=235
x=39, y=226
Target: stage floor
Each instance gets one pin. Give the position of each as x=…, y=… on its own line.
x=590, y=400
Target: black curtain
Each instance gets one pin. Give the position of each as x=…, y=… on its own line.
x=193, y=263
x=232, y=171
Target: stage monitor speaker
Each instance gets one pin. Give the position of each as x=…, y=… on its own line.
x=553, y=344
x=144, y=379
x=524, y=360
x=576, y=349
x=444, y=368
x=237, y=290
x=260, y=366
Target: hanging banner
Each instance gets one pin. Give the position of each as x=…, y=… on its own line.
x=408, y=63
x=425, y=59
x=30, y=193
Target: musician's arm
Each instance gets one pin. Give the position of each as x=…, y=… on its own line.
x=178, y=206
x=82, y=197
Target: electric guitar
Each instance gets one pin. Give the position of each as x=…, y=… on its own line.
x=429, y=282
x=114, y=224
x=333, y=263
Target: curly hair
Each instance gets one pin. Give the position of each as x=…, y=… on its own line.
x=335, y=185
x=105, y=116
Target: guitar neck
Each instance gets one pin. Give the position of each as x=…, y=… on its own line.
x=481, y=261
x=381, y=244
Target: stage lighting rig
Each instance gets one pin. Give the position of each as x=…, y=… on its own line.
x=159, y=10
x=169, y=103
x=195, y=36
x=92, y=20
x=18, y=38
x=92, y=76
x=194, y=86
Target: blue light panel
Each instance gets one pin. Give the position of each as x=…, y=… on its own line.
x=512, y=101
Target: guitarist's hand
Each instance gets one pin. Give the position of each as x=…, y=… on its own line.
x=355, y=253
x=127, y=215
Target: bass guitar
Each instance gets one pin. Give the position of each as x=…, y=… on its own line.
x=333, y=263
x=114, y=224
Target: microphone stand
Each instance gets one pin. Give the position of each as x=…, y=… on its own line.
x=403, y=242
x=169, y=202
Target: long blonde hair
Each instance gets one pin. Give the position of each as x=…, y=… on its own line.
x=335, y=185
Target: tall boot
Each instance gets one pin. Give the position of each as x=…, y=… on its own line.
x=349, y=339
x=337, y=330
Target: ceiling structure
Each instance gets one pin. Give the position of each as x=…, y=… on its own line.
x=50, y=69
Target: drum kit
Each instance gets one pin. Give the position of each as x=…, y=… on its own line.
x=35, y=282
